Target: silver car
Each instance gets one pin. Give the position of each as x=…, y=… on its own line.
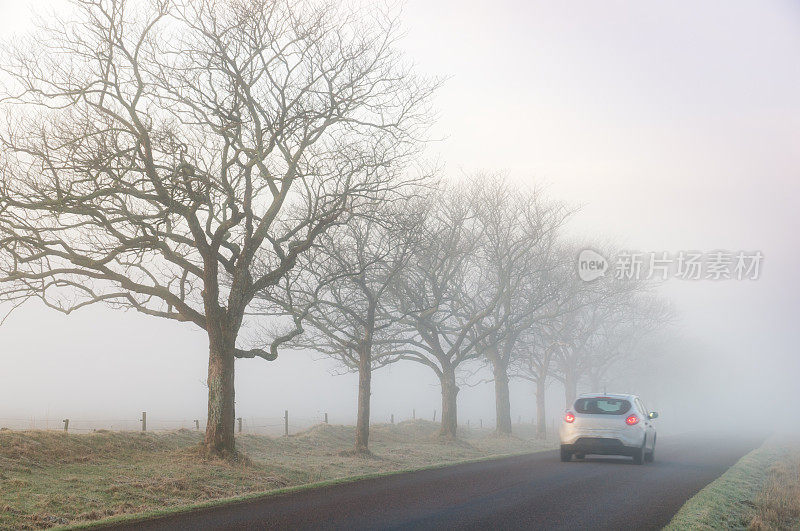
x=608, y=424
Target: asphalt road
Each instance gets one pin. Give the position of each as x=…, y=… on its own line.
x=531, y=491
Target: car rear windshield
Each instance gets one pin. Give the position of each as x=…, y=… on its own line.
x=602, y=406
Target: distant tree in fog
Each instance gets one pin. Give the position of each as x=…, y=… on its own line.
x=617, y=342
x=532, y=360
x=177, y=158
x=606, y=315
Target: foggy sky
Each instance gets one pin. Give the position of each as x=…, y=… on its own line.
x=674, y=125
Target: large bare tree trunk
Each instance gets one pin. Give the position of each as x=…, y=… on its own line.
x=502, y=398
x=219, y=428
x=364, y=391
x=541, y=421
x=365, y=382
x=449, y=404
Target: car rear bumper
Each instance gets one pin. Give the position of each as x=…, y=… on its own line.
x=600, y=446
x=631, y=436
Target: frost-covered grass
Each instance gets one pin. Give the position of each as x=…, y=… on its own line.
x=51, y=478
x=761, y=491
x=778, y=503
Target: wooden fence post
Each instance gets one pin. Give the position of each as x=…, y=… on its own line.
x=414, y=414
x=326, y=418
x=66, y=424
x=144, y=420
x=239, y=420
x=286, y=423
x=434, y=415
x=197, y=424
x=392, y=418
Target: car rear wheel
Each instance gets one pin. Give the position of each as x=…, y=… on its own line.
x=651, y=455
x=639, y=455
x=566, y=455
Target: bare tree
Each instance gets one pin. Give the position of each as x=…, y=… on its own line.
x=443, y=294
x=573, y=353
x=518, y=253
x=152, y=151
x=340, y=292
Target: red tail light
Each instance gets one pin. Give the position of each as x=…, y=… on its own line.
x=569, y=417
x=632, y=420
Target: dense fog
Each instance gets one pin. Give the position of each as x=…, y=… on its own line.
x=669, y=129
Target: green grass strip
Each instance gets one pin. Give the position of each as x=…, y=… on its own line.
x=727, y=502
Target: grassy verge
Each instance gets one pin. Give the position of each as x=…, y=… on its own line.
x=761, y=491
x=53, y=479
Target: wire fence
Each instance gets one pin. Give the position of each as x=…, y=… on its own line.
x=284, y=425
x=273, y=426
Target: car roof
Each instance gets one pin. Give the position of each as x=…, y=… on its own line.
x=626, y=396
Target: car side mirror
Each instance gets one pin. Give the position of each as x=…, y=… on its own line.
x=652, y=415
